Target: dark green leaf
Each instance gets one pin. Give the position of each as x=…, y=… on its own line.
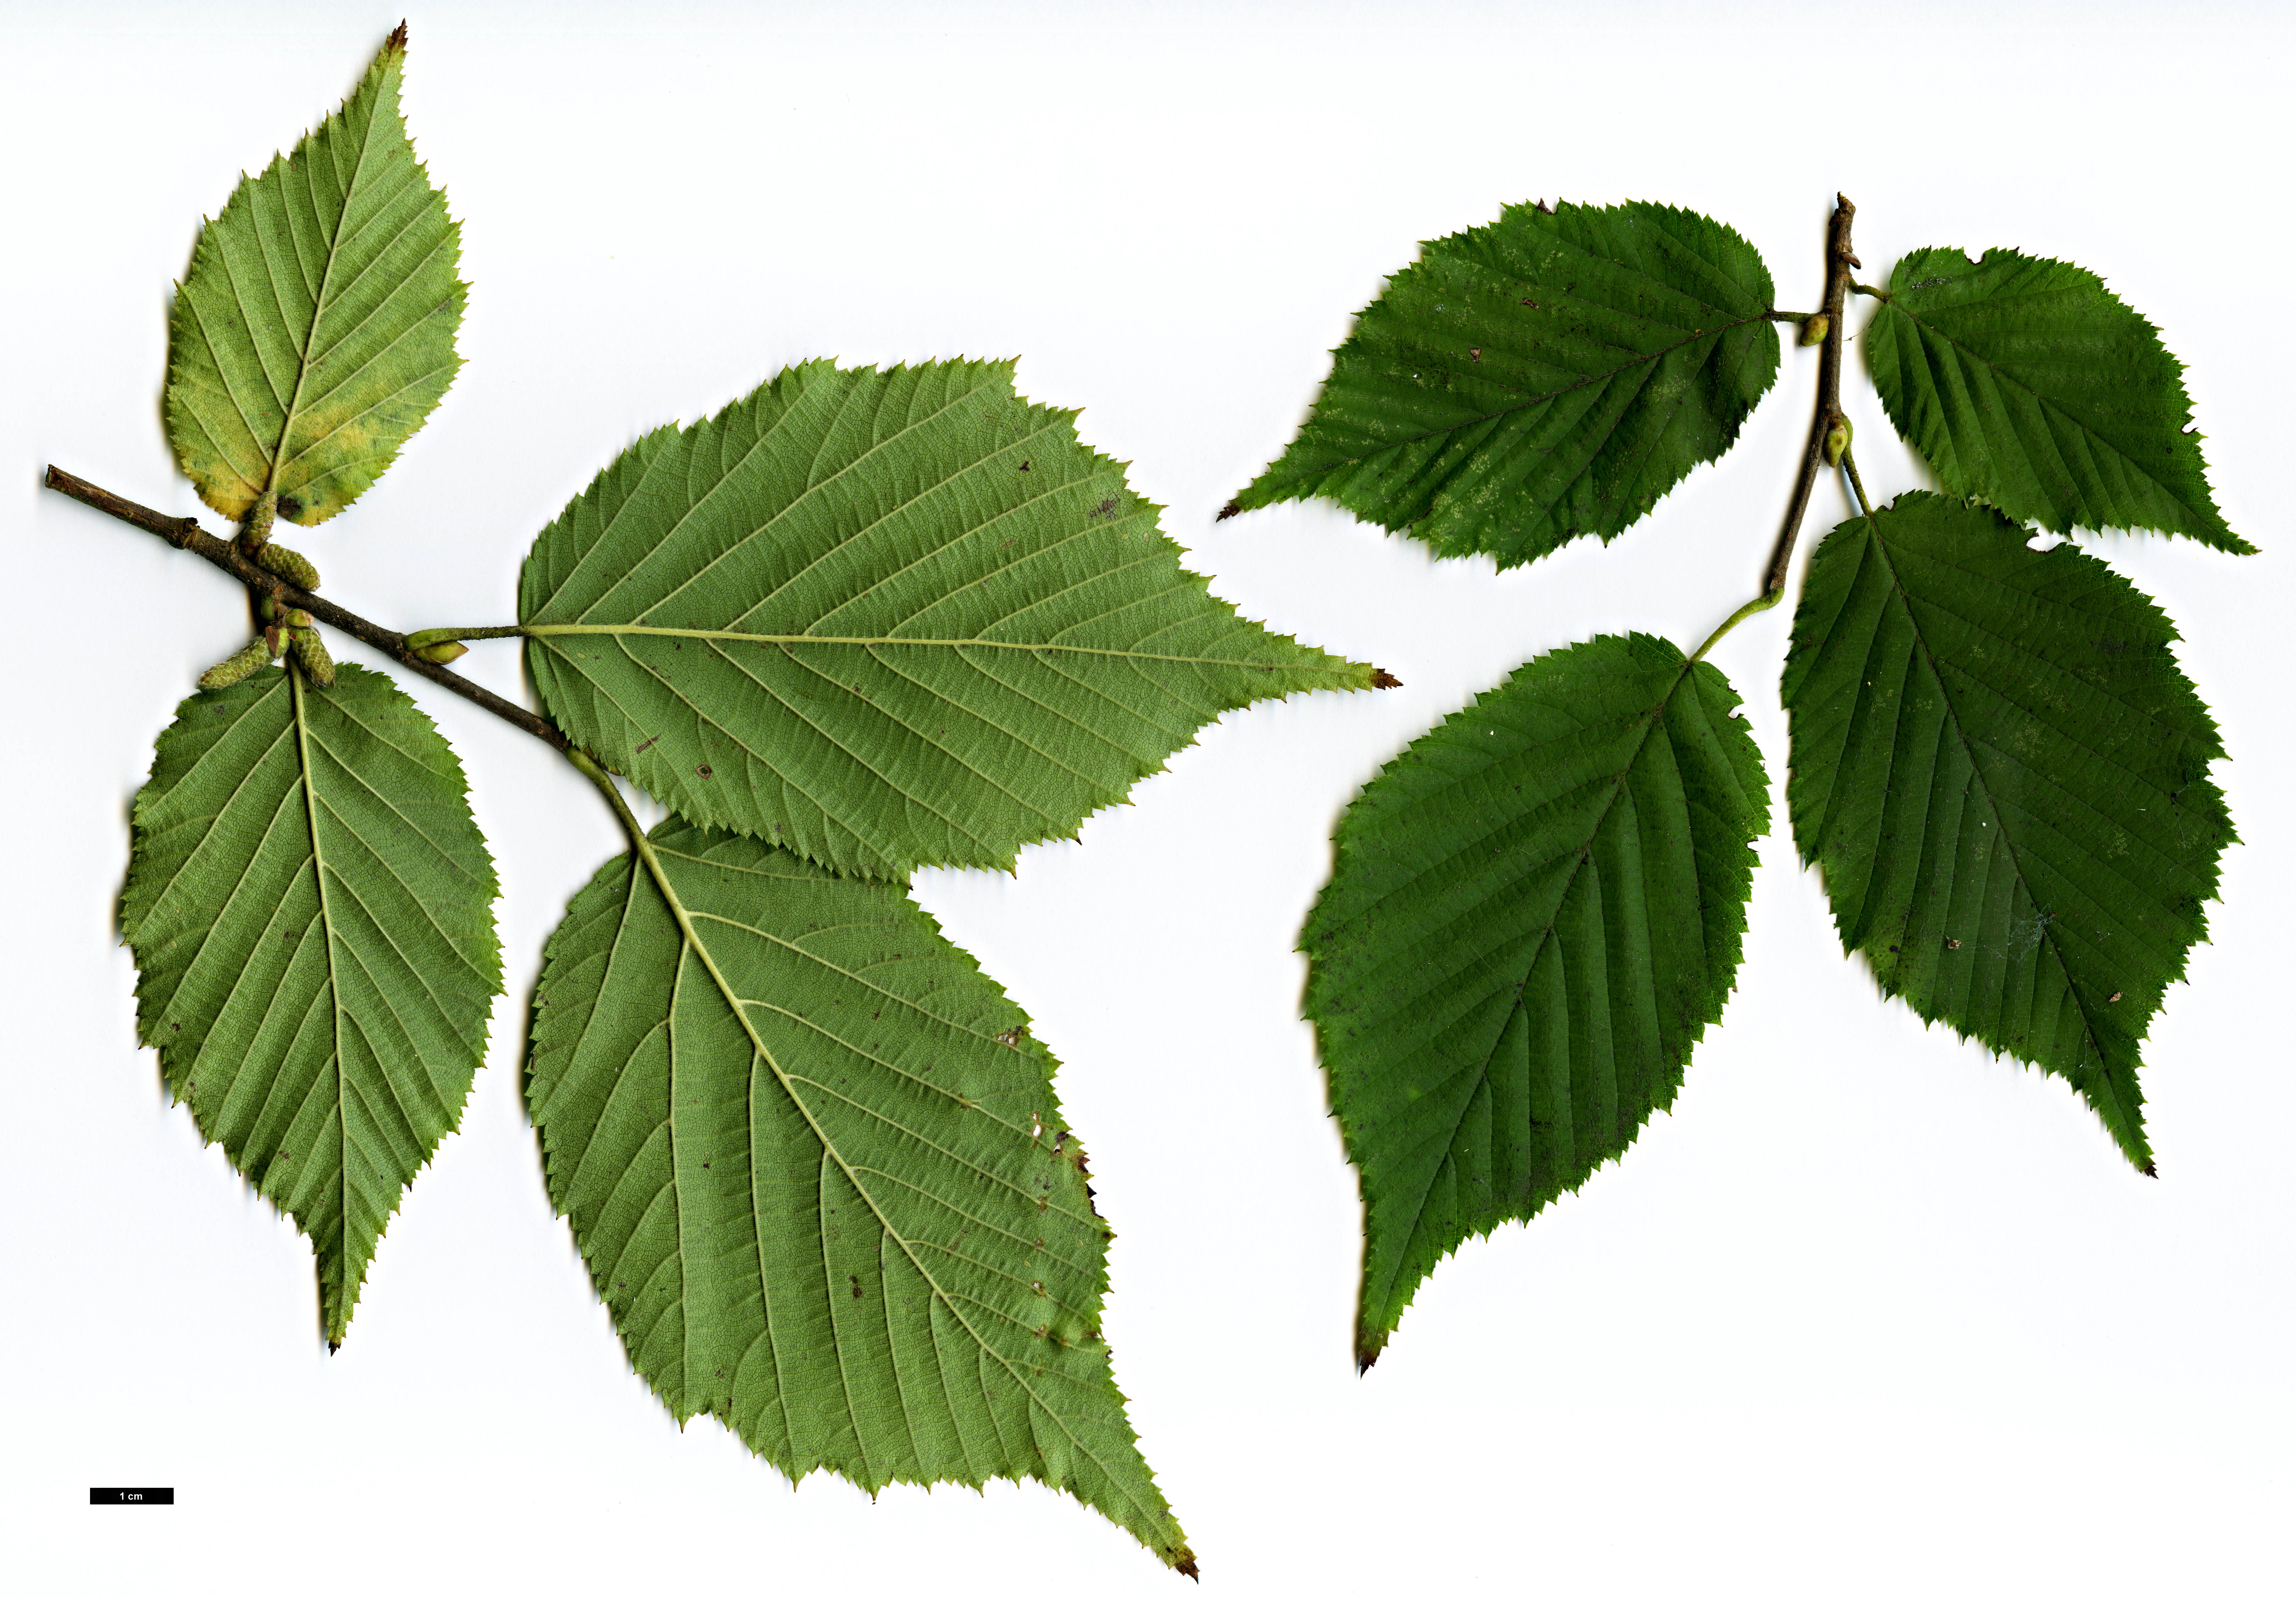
x=310, y=905
x=314, y=332
x=1536, y=910
x=2004, y=778
x=2028, y=384
x=1547, y=375
x=814, y=1160
x=887, y=619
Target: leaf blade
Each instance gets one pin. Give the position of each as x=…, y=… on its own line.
x=885, y=618
x=865, y=1169
x=1500, y=980
x=1547, y=375
x=314, y=332
x=330, y=1071
x=2037, y=881
x=2027, y=383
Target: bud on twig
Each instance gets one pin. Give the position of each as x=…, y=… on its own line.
x=1814, y=331
x=280, y=560
x=311, y=655
x=443, y=654
x=236, y=667
x=1837, y=440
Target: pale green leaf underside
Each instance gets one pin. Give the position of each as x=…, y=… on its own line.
x=311, y=909
x=816, y=1167
x=886, y=619
x=2028, y=385
x=315, y=330
x=1547, y=375
x=2003, y=775
x=1535, y=911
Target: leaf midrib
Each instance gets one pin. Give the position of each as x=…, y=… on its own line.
x=319, y=303
x=715, y=635
x=296, y=692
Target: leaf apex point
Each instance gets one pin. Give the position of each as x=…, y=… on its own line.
x=1382, y=678
x=1234, y=507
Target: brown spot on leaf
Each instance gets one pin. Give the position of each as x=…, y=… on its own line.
x=1474, y=354
x=1953, y=942
x=2115, y=999
x=856, y=1280
x=703, y=771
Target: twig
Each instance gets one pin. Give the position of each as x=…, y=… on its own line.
x=1839, y=260
x=184, y=532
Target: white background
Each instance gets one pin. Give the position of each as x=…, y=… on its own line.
x=1869, y=1312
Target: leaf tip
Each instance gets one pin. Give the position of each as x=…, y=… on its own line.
x=1186, y=1566
x=1234, y=507
x=1381, y=678
x=396, y=45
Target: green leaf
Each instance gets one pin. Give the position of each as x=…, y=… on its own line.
x=2004, y=778
x=2028, y=384
x=310, y=905
x=1536, y=910
x=315, y=330
x=886, y=619
x=1547, y=375
x=815, y=1162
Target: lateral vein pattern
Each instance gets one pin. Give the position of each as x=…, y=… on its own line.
x=314, y=332
x=2003, y=775
x=816, y=1167
x=885, y=620
x=1550, y=375
x=310, y=906
x=2028, y=385
x=1535, y=911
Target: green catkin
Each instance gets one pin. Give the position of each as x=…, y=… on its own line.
x=281, y=561
x=236, y=667
x=311, y=655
